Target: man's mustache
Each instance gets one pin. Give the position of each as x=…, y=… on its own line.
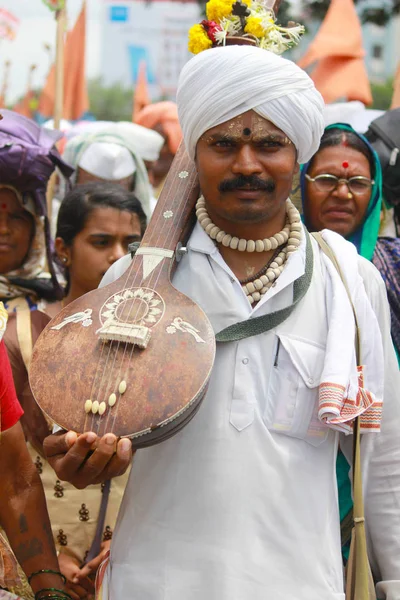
x=252, y=182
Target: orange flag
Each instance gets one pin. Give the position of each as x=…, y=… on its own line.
x=25, y=106
x=141, y=93
x=76, y=100
x=28, y=104
x=339, y=53
x=396, y=93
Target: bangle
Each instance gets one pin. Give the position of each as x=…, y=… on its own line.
x=61, y=594
x=49, y=571
x=51, y=596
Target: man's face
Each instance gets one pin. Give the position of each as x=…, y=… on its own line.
x=245, y=169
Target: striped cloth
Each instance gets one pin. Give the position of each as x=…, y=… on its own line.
x=387, y=260
x=348, y=390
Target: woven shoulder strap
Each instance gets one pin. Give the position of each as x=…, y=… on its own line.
x=359, y=582
x=258, y=325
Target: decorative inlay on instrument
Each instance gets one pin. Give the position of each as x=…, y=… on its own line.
x=134, y=357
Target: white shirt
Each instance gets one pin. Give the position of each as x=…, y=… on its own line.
x=242, y=503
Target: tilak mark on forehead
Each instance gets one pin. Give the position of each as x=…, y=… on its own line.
x=236, y=130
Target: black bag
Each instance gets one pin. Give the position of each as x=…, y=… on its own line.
x=384, y=136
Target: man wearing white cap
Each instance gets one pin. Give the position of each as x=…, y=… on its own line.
x=242, y=503
x=110, y=155
x=107, y=161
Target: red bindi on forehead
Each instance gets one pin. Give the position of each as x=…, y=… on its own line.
x=345, y=164
x=4, y=206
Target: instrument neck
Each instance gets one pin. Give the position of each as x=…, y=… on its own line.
x=173, y=216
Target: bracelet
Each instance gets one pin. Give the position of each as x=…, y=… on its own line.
x=59, y=594
x=52, y=597
x=32, y=575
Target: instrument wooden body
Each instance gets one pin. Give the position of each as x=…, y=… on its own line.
x=134, y=357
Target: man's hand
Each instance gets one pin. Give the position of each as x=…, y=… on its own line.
x=87, y=459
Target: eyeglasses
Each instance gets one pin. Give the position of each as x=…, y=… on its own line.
x=326, y=183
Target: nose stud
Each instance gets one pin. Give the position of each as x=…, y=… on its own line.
x=349, y=195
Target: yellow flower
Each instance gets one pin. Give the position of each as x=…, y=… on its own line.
x=254, y=27
x=219, y=9
x=198, y=39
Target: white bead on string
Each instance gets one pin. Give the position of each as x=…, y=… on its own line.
x=290, y=235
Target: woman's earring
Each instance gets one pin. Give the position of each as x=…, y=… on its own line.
x=64, y=259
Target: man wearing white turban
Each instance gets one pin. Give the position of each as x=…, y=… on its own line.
x=242, y=503
x=217, y=85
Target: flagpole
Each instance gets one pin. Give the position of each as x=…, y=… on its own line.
x=61, y=20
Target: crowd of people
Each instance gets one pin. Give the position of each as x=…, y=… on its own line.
x=244, y=502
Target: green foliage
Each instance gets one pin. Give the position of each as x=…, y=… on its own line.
x=285, y=13
x=110, y=103
x=380, y=15
x=382, y=94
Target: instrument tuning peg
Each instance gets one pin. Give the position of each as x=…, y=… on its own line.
x=180, y=251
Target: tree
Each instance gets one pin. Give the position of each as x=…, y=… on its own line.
x=382, y=94
x=285, y=13
x=380, y=14
x=112, y=103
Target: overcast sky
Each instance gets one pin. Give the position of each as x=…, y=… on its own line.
x=37, y=27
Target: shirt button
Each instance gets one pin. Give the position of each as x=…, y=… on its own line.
x=310, y=380
x=245, y=361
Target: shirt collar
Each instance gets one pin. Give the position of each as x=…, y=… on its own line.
x=295, y=266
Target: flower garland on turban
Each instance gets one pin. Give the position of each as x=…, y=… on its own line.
x=255, y=21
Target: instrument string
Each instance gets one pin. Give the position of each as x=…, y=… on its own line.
x=152, y=283
x=115, y=346
x=93, y=384
x=155, y=276
x=112, y=382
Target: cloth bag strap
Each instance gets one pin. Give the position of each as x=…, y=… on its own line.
x=250, y=327
x=95, y=547
x=359, y=581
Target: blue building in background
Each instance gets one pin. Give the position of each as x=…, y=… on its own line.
x=382, y=45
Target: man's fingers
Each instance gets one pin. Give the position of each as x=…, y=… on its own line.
x=121, y=459
x=97, y=462
x=67, y=463
x=59, y=443
x=118, y=463
x=70, y=457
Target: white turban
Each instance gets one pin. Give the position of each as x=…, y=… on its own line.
x=221, y=83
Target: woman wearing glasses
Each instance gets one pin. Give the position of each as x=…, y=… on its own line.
x=342, y=190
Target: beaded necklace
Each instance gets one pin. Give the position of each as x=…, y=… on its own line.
x=289, y=239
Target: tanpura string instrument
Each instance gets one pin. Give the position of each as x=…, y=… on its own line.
x=132, y=358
